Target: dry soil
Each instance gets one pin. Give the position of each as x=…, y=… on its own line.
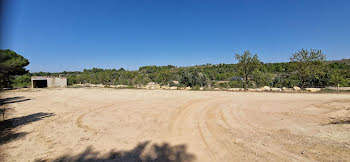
x=72, y=124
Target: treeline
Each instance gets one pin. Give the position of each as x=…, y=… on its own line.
x=307, y=68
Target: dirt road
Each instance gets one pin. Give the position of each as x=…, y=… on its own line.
x=149, y=125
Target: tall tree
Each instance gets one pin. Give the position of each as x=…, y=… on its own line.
x=308, y=66
x=11, y=64
x=246, y=65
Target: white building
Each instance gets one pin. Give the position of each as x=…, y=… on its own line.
x=43, y=82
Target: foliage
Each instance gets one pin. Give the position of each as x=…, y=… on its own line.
x=236, y=84
x=337, y=79
x=224, y=85
x=22, y=81
x=309, y=67
x=193, y=78
x=11, y=64
x=246, y=65
x=263, y=78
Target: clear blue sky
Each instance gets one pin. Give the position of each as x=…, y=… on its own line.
x=73, y=35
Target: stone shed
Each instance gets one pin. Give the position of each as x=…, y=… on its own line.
x=43, y=82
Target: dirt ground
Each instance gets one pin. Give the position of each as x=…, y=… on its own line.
x=72, y=124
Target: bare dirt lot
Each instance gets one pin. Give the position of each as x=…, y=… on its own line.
x=74, y=124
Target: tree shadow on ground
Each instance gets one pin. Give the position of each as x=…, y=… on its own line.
x=9, y=100
x=7, y=127
x=143, y=152
x=343, y=120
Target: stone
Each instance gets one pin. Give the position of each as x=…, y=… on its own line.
x=258, y=89
x=152, y=85
x=121, y=86
x=175, y=82
x=285, y=89
x=313, y=89
x=251, y=90
x=267, y=88
x=173, y=88
x=296, y=88
x=234, y=89
x=276, y=89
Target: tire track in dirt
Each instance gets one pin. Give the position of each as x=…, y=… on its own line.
x=191, y=121
x=226, y=141
x=79, y=121
x=64, y=117
x=253, y=131
x=210, y=139
x=184, y=123
x=214, y=130
x=177, y=119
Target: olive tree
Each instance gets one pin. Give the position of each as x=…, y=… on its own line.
x=246, y=65
x=308, y=65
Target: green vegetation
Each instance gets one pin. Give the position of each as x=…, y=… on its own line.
x=11, y=65
x=22, y=81
x=247, y=64
x=307, y=68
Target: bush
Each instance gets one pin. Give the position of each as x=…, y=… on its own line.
x=236, y=84
x=223, y=85
x=22, y=81
x=263, y=78
x=197, y=87
x=193, y=79
x=71, y=79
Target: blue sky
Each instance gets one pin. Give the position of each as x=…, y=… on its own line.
x=72, y=35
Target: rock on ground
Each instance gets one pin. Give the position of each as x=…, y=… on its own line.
x=313, y=89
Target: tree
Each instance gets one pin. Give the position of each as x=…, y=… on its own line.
x=246, y=65
x=308, y=66
x=11, y=64
x=337, y=79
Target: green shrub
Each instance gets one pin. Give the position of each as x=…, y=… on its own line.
x=193, y=78
x=71, y=79
x=223, y=85
x=22, y=81
x=196, y=87
x=236, y=84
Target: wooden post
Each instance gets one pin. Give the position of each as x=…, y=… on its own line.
x=338, y=87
